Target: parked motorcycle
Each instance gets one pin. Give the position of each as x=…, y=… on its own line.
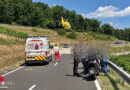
x=93, y=69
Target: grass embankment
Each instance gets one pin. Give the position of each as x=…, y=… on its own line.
x=111, y=82
x=120, y=48
x=11, y=54
x=12, y=45
x=55, y=38
x=33, y=31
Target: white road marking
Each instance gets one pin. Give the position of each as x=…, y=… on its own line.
x=56, y=63
x=12, y=71
x=97, y=85
x=32, y=87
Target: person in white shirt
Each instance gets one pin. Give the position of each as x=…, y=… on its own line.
x=56, y=51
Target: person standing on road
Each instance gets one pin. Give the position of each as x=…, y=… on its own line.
x=56, y=52
x=76, y=61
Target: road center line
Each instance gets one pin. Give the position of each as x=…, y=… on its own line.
x=12, y=71
x=97, y=85
x=56, y=63
x=32, y=87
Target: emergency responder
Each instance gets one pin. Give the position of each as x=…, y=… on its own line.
x=56, y=52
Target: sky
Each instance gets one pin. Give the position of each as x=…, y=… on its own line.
x=114, y=12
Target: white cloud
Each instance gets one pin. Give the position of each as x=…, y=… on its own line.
x=108, y=12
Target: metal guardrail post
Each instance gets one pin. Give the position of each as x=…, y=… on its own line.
x=121, y=72
x=121, y=78
x=110, y=69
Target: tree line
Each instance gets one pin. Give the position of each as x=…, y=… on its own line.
x=28, y=13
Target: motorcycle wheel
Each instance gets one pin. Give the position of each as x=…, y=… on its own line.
x=93, y=77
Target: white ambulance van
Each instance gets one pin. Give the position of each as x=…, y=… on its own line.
x=37, y=50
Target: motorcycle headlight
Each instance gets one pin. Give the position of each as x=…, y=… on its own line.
x=95, y=61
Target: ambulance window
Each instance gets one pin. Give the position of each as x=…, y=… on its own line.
x=36, y=45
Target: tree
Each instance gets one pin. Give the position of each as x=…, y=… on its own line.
x=107, y=29
x=58, y=11
x=95, y=25
x=37, y=17
x=117, y=33
x=126, y=34
x=87, y=26
x=6, y=11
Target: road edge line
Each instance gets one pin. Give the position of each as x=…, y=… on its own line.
x=97, y=85
x=12, y=71
x=56, y=63
x=32, y=87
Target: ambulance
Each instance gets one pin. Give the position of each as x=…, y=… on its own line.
x=37, y=50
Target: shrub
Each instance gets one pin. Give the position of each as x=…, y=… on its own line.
x=61, y=32
x=34, y=29
x=14, y=23
x=72, y=35
x=11, y=32
x=122, y=61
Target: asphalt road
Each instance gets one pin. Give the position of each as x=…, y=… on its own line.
x=48, y=77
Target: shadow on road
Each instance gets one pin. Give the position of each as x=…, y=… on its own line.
x=36, y=64
x=87, y=78
x=69, y=75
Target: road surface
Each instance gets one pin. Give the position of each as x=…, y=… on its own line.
x=54, y=76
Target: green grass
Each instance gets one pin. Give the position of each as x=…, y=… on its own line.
x=10, y=42
x=111, y=82
x=11, y=32
x=12, y=61
x=120, y=49
x=122, y=61
x=99, y=36
x=34, y=29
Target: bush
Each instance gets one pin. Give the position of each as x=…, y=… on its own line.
x=34, y=29
x=11, y=32
x=61, y=32
x=14, y=23
x=72, y=35
x=122, y=61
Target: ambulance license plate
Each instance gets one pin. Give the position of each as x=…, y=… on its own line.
x=31, y=59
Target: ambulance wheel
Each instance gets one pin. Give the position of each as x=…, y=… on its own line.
x=48, y=62
x=27, y=63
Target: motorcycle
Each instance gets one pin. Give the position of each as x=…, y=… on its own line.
x=93, y=69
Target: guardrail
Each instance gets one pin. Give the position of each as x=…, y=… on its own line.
x=120, y=71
